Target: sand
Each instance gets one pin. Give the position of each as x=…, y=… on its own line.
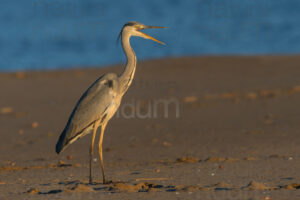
x=230, y=130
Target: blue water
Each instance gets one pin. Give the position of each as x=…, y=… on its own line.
x=51, y=34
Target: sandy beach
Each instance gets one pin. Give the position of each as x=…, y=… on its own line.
x=188, y=128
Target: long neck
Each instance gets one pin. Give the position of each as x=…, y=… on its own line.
x=127, y=76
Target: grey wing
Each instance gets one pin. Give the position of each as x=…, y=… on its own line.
x=91, y=107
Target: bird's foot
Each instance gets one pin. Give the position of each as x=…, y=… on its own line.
x=91, y=182
x=107, y=182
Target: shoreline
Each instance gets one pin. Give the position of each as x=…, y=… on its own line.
x=204, y=57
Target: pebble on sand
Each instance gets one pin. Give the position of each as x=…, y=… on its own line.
x=35, y=124
x=166, y=144
x=253, y=185
x=6, y=110
x=80, y=188
x=188, y=159
x=215, y=159
x=222, y=186
x=190, y=99
x=69, y=157
x=33, y=191
x=250, y=158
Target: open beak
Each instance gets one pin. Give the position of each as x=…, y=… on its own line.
x=150, y=37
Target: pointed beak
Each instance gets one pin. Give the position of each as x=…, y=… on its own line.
x=145, y=27
x=150, y=37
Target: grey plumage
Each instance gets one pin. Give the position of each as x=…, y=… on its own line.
x=102, y=99
x=88, y=110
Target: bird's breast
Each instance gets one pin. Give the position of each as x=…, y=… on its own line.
x=112, y=108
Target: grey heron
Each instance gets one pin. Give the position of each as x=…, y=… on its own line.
x=101, y=100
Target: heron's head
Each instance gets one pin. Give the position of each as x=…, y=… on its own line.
x=134, y=29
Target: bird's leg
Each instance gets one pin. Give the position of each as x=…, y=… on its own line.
x=100, y=150
x=96, y=125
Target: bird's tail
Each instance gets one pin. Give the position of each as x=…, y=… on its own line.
x=61, y=143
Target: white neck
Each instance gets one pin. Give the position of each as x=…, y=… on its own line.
x=127, y=75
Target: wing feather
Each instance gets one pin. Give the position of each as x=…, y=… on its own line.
x=91, y=107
